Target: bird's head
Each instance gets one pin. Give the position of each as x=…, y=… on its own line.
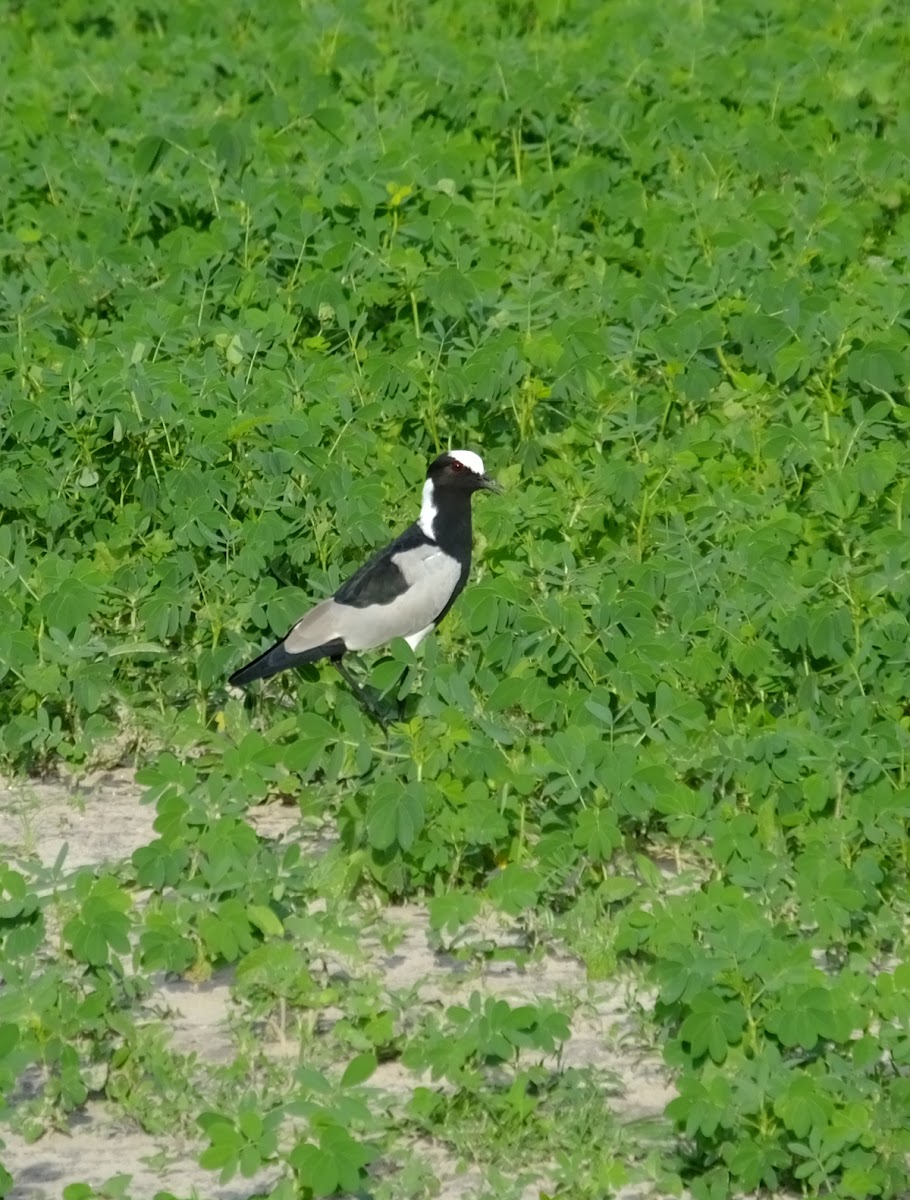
x=460, y=470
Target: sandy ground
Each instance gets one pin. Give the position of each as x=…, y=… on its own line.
x=104, y=821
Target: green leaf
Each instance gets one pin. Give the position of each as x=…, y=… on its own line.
x=712, y=1026
x=359, y=1069
x=395, y=816
x=265, y=920
x=149, y=153
x=597, y=834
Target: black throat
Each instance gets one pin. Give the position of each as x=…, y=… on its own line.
x=451, y=527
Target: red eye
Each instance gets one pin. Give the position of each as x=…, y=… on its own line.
x=457, y=466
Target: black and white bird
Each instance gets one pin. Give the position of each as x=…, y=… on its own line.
x=403, y=591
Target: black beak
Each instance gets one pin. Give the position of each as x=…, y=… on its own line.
x=491, y=485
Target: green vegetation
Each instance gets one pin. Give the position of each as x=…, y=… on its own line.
x=258, y=264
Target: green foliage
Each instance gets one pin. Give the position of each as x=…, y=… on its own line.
x=327, y=1160
x=785, y=1071
x=218, y=888
x=485, y=1033
x=62, y=1018
x=650, y=259
x=101, y=926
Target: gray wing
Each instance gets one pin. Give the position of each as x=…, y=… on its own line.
x=431, y=576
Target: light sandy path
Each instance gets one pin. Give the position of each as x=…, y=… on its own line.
x=103, y=821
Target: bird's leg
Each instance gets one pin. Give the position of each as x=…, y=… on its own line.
x=358, y=691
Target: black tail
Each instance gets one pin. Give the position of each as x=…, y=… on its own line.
x=276, y=659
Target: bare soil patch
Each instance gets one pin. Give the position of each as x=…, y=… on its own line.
x=103, y=821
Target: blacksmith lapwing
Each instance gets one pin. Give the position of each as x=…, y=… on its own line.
x=403, y=591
